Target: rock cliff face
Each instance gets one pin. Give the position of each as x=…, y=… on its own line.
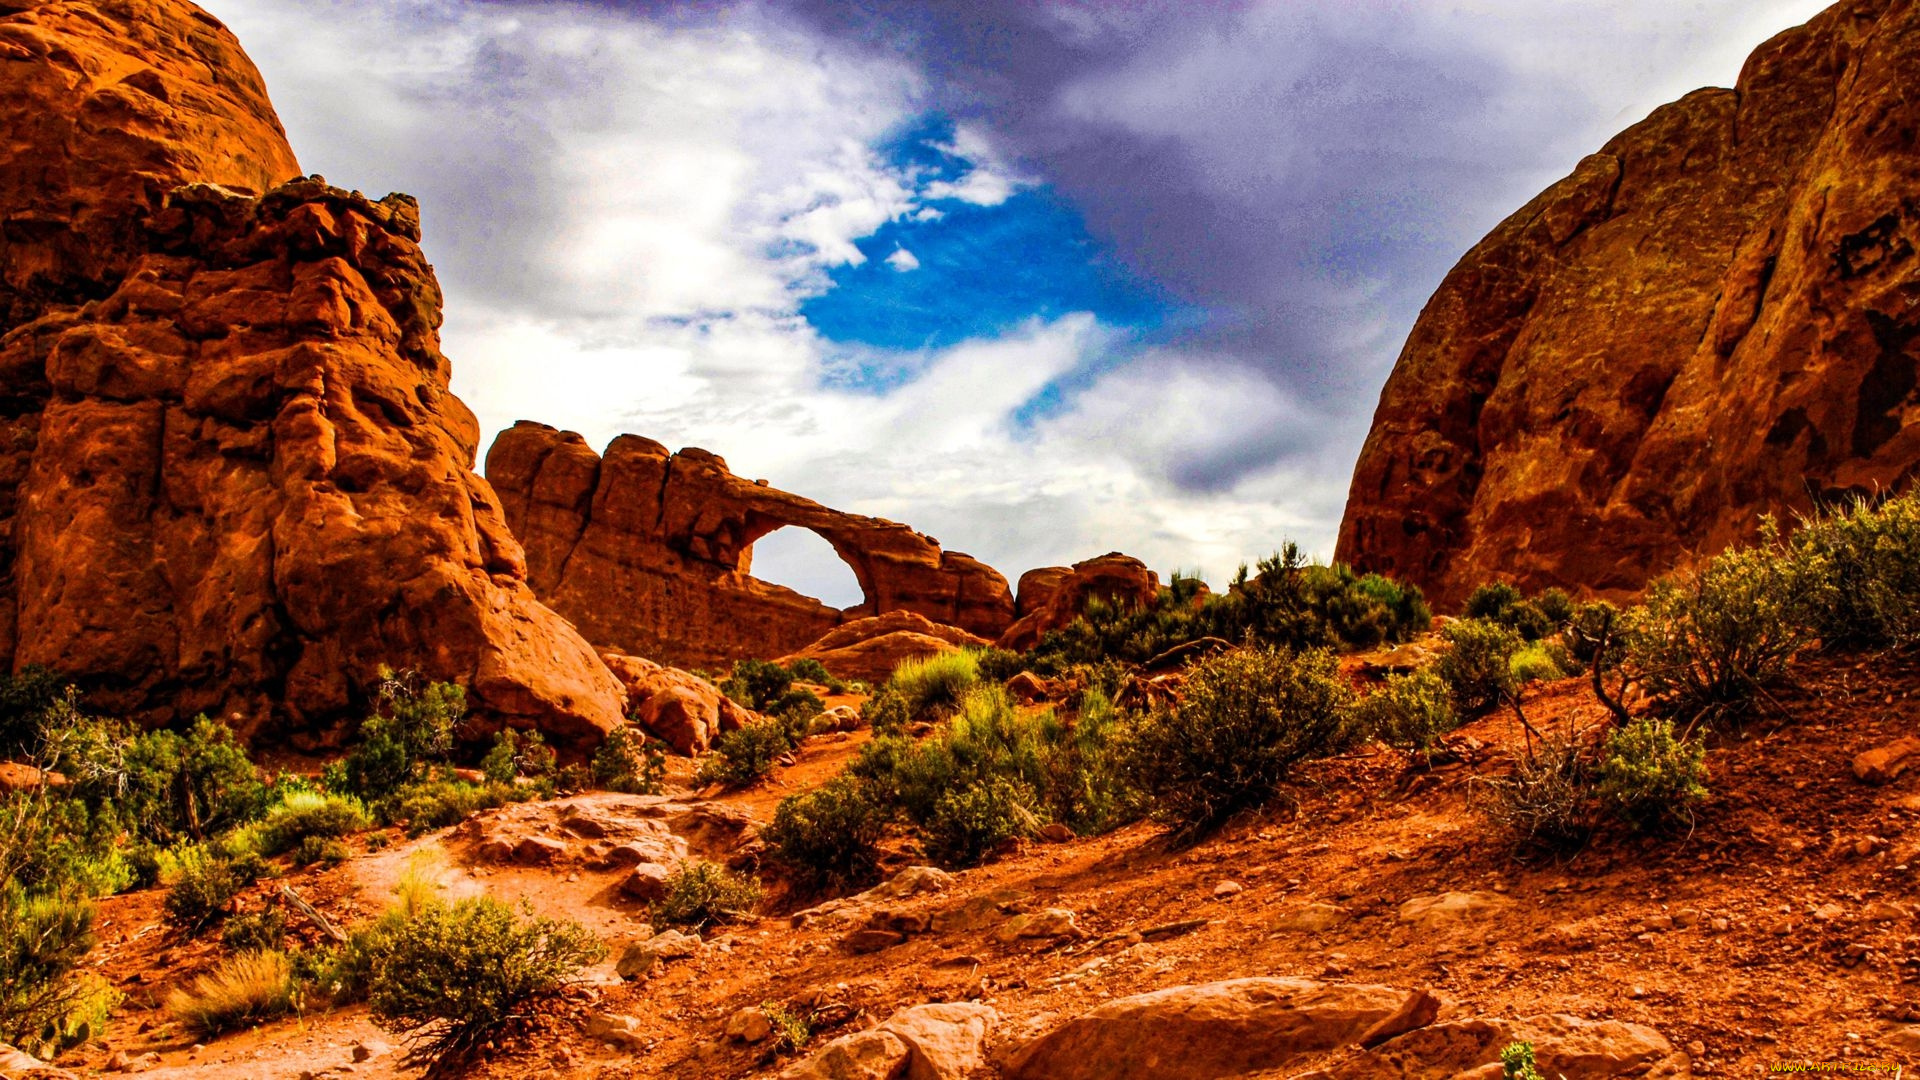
x=232, y=478
x=1716, y=316
x=650, y=553
x=1053, y=596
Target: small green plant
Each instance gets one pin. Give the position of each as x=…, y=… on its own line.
x=1500, y=602
x=886, y=713
x=699, y=893
x=1410, y=711
x=807, y=669
x=206, y=884
x=744, y=757
x=757, y=684
x=969, y=822
x=256, y=931
x=1535, y=663
x=998, y=665
x=1651, y=777
x=1517, y=1062
x=627, y=762
x=829, y=835
x=244, y=989
x=453, y=976
x=792, y=1030
x=411, y=727
x=42, y=941
x=934, y=686
x=195, y=786
x=320, y=849
x=436, y=804
x=1249, y=717
x=1477, y=665
x=1861, y=571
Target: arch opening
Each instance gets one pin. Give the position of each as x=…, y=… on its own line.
x=803, y=560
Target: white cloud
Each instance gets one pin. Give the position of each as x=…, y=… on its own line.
x=903, y=260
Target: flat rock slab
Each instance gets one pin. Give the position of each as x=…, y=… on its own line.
x=1564, y=1046
x=1451, y=910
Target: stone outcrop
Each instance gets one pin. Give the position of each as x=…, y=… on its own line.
x=1053, y=596
x=677, y=707
x=232, y=478
x=871, y=648
x=1711, y=318
x=1564, y=1046
x=650, y=553
x=926, y=1042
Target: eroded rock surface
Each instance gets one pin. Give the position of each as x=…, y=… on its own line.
x=232, y=478
x=1053, y=596
x=1712, y=317
x=650, y=553
x=871, y=648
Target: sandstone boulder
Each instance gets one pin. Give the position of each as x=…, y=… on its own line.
x=677, y=707
x=651, y=553
x=1708, y=319
x=1116, y=578
x=1452, y=910
x=871, y=648
x=234, y=480
x=1203, y=1032
x=1883, y=764
x=926, y=1042
x=1566, y=1046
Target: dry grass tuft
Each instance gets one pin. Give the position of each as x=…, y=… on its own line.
x=244, y=989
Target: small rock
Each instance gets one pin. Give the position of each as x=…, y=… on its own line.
x=1226, y=889
x=1685, y=917
x=647, y=882
x=749, y=1025
x=616, y=1028
x=539, y=849
x=1051, y=923
x=1828, y=912
x=1055, y=833
x=640, y=957
x=1720, y=924
x=1882, y=764
x=1660, y=923
x=861, y=942
x=1884, y=911
x=363, y=1051
x=1310, y=918
x=495, y=849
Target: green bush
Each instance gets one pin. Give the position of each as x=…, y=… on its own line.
x=792, y=1029
x=628, y=762
x=1083, y=766
x=829, y=835
x=515, y=754
x=1536, y=662
x=1517, y=1062
x=1477, y=665
x=193, y=786
x=1556, y=605
x=1547, y=801
x=436, y=804
x=42, y=942
x=258, y=931
x=320, y=849
x=795, y=707
x=303, y=815
x=1711, y=642
x=886, y=713
x=968, y=823
x=1248, y=718
x=410, y=728
x=205, y=886
x=27, y=697
x=933, y=686
x=454, y=976
x=699, y=893
x=1862, y=572
x=1652, y=778
x=1500, y=602
x=997, y=665
x=744, y=757
x=756, y=684
x=1595, y=626
x=1410, y=712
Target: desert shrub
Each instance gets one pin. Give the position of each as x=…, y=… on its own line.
x=42, y=942
x=1535, y=663
x=628, y=762
x=1476, y=664
x=255, y=931
x=1547, y=801
x=933, y=686
x=452, y=976
x=58, y=844
x=1295, y=604
x=807, y=669
x=699, y=893
x=515, y=754
x=242, y=990
x=997, y=665
x=968, y=822
x=1652, y=778
x=436, y=804
x=1410, y=711
x=795, y=708
x=886, y=713
x=1592, y=627
x=195, y=785
x=1249, y=716
x=1862, y=571
x=1517, y=1062
x=1500, y=602
x=792, y=1029
x=205, y=885
x=303, y=815
x=411, y=726
x=26, y=699
x=1083, y=766
x=1710, y=642
x=744, y=757
x=756, y=684
x=829, y=835
x=1556, y=605
x=319, y=849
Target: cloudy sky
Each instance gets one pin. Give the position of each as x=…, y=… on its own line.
x=1042, y=279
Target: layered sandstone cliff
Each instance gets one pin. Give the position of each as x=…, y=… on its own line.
x=1713, y=317
x=232, y=478
x=650, y=553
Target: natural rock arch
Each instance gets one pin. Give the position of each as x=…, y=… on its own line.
x=647, y=552
x=753, y=559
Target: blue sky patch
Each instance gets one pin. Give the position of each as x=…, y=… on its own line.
x=968, y=271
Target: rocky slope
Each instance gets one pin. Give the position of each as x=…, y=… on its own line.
x=651, y=553
x=232, y=478
x=1712, y=316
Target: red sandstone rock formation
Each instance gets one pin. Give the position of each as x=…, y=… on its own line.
x=232, y=478
x=650, y=552
x=679, y=708
x=1060, y=594
x=871, y=648
x=1711, y=318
